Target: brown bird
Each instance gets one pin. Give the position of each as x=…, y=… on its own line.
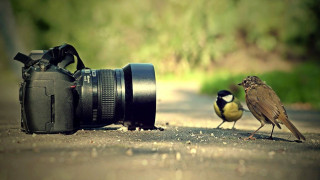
x=266, y=106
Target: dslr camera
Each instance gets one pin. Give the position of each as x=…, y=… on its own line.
x=54, y=100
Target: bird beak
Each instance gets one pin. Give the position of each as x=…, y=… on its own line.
x=240, y=84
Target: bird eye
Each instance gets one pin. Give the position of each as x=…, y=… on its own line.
x=245, y=81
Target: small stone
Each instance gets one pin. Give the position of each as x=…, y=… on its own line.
x=123, y=128
x=178, y=156
x=193, y=151
x=129, y=152
x=212, y=134
x=34, y=135
x=164, y=156
x=224, y=143
x=200, y=132
x=188, y=142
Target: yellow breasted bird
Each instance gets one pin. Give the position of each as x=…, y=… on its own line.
x=228, y=107
x=266, y=106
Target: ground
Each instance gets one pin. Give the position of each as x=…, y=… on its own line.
x=190, y=147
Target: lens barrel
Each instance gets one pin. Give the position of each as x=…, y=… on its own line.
x=126, y=96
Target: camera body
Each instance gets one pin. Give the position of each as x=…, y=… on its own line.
x=54, y=100
x=47, y=100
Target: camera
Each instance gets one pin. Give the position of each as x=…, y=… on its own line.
x=54, y=100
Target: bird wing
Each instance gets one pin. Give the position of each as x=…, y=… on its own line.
x=260, y=100
x=266, y=101
x=236, y=100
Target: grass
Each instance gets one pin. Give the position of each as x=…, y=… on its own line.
x=302, y=85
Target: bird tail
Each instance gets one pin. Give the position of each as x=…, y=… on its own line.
x=292, y=128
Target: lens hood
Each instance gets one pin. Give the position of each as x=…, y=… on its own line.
x=140, y=95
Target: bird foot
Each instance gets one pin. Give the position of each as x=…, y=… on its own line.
x=270, y=138
x=250, y=138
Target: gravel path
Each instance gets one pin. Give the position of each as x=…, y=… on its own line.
x=190, y=147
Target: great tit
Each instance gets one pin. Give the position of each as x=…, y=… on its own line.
x=266, y=106
x=228, y=107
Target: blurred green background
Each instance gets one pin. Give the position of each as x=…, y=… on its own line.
x=217, y=43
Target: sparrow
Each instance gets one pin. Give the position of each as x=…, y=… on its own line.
x=228, y=107
x=266, y=106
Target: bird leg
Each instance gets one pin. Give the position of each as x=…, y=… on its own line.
x=220, y=124
x=233, y=125
x=251, y=136
x=271, y=133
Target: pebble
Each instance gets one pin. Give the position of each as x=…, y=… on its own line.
x=178, y=156
x=193, y=151
x=164, y=156
x=129, y=152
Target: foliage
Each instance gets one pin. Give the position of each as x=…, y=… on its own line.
x=299, y=86
x=176, y=36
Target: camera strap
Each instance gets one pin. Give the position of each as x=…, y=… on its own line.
x=60, y=55
x=26, y=60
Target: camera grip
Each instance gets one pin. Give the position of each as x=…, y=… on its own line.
x=48, y=104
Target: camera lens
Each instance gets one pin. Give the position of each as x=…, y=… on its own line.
x=126, y=96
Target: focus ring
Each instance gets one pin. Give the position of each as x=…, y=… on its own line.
x=107, y=94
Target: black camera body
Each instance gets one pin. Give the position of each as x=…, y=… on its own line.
x=54, y=100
